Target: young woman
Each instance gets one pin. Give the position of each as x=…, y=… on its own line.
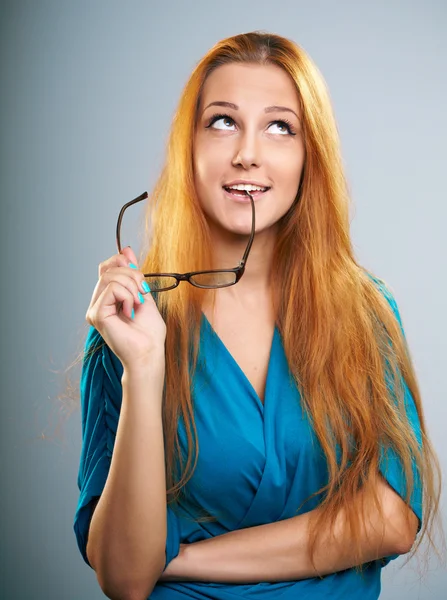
x=257, y=431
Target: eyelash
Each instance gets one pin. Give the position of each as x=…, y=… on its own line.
x=285, y=122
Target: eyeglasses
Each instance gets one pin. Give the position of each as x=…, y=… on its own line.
x=161, y=282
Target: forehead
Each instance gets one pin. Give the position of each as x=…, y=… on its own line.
x=266, y=85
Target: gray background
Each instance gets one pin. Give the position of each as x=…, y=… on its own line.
x=88, y=90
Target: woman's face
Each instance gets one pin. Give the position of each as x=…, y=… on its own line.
x=248, y=129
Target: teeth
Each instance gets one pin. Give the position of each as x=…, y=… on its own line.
x=246, y=187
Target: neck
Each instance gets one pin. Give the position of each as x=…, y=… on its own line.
x=254, y=285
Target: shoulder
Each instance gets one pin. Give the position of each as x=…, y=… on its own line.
x=386, y=291
x=382, y=285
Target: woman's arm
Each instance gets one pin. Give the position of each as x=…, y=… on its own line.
x=132, y=508
x=279, y=551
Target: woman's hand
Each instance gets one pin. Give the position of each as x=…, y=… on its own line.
x=134, y=341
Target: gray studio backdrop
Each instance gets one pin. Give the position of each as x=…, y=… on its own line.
x=88, y=90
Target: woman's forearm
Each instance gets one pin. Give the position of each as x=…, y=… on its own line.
x=127, y=535
x=279, y=551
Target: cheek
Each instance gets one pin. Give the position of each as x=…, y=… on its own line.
x=287, y=168
x=207, y=164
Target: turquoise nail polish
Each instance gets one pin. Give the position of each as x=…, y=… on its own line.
x=132, y=314
x=140, y=296
x=133, y=266
x=145, y=287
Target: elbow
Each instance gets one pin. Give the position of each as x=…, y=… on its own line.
x=116, y=594
x=129, y=589
x=407, y=532
x=120, y=576
x=401, y=521
x=404, y=544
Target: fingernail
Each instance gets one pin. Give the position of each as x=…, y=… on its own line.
x=145, y=287
x=133, y=266
x=141, y=298
x=132, y=314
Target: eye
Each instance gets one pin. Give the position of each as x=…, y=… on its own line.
x=216, y=118
x=287, y=128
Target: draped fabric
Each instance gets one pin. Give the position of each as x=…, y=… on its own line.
x=258, y=463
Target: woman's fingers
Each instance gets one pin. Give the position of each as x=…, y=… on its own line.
x=121, y=259
x=117, y=260
x=130, y=255
x=127, y=277
x=113, y=295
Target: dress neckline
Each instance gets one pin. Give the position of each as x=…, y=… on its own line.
x=239, y=369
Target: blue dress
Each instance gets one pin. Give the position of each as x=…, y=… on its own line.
x=257, y=463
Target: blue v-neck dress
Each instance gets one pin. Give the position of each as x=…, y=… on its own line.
x=258, y=462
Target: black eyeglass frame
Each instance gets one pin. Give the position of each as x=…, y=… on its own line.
x=238, y=271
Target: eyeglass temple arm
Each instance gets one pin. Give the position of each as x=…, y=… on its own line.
x=142, y=196
x=252, y=235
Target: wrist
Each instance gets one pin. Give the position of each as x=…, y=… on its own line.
x=151, y=366
x=153, y=369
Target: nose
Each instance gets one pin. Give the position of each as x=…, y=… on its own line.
x=247, y=152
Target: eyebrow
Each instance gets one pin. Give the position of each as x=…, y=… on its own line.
x=268, y=109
